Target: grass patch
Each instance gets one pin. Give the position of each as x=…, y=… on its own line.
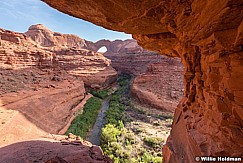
x=83, y=122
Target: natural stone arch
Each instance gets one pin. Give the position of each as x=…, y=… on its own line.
x=103, y=43
x=103, y=49
x=208, y=37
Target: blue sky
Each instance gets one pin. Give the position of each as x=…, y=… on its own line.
x=18, y=15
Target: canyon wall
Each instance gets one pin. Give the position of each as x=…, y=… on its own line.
x=41, y=86
x=92, y=67
x=47, y=38
x=36, y=97
x=161, y=86
x=158, y=80
x=126, y=56
x=207, y=36
x=21, y=51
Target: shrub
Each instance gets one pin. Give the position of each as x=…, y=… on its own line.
x=153, y=141
x=109, y=134
x=149, y=158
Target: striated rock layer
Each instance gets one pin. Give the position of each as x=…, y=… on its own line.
x=126, y=56
x=41, y=87
x=161, y=86
x=91, y=67
x=35, y=98
x=158, y=80
x=207, y=36
x=47, y=38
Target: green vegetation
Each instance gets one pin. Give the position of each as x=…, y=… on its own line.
x=153, y=141
x=100, y=94
x=118, y=142
x=84, y=121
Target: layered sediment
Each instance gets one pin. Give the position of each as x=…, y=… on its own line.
x=41, y=85
x=161, y=86
x=158, y=80
x=126, y=56
x=91, y=67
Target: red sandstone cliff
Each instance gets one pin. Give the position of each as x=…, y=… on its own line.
x=126, y=56
x=47, y=38
x=158, y=80
x=71, y=55
x=207, y=36
x=40, y=87
x=161, y=86
x=36, y=96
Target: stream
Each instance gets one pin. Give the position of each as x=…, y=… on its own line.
x=95, y=133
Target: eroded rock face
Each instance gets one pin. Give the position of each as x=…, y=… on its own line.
x=47, y=38
x=91, y=67
x=42, y=87
x=36, y=96
x=161, y=86
x=207, y=36
x=17, y=51
x=126, y=56
x=52, y=151
x=158, y=80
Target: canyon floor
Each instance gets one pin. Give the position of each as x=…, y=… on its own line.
x=148, y=123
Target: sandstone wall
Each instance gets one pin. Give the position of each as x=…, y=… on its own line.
x=18, y=51
x=47, y=38
x=133, y=63
x=207, y=36
x=161, y=86
x=158, y=80
x=91, y=67
x=126, y=56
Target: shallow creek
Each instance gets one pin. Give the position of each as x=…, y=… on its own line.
x=94, y=134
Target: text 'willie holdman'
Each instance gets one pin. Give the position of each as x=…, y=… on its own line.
x=219, y=159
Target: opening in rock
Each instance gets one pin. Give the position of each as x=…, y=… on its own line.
x=103, y=49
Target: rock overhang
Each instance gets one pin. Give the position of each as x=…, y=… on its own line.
x=159, y=24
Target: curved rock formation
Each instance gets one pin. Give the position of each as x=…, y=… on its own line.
x=207, y=36
x=117, y=46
